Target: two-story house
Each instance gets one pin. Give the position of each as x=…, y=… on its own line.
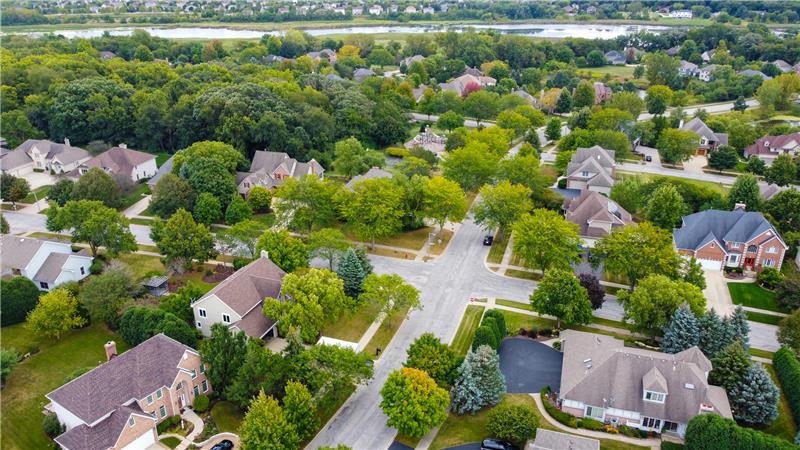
x=709, y=140
x=601, y=92
x=118, y=404
x=707, y=73
x=269, y=169
x=688, y=69
x=122, y=161
x=42, y=155
x=46, y=263
x=468, y=82
x=652, y=391
x=326, y=54
x=591, y=169
x=768, y=148
x=735, y=238
x=238, y=301
x=595, y=215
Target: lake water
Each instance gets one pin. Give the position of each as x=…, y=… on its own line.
x=583, y=30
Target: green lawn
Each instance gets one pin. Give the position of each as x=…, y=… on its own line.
x=413, y=240
x=466, y=330
x=784, y=426
x=227, y=416
x=265, y=219
x=458, y=430
x=716, y=187
x=514, y=304
x=141, y=265
x=498, y=249
x=41, y=193
x=138, y=221
x=523, y=274
x=386, y=332
x=171, y=442
x=515, y=321
x=763, y=318
x=161, y=158
x=614, y=71
x=761, y=353
x=350, y=327
x=23, y=396
x=754, y=296
x=137, y=194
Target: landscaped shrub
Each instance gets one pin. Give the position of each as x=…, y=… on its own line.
x=398, y=152
x=19, y=298
x=533, y=333
x=632, y=432
x=51, y=426
x=201, y=403
x=561, y=416
x=168, y=423
x=239, y=262
x=562, y=183
x=484, y=335
x=491, y=322
x=557, y=345
x=713, y=432
x=770, y=277
x=590, y=424
x=787, y=367
x=515, y=423
x=500, y=321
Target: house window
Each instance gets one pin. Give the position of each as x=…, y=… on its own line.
x=199, y=325
x=44, y=285
x=735, y=245
x=649, y=422
x=201, y=312
x=196, y=391
x=654, y=396
x=226, y=318
x=772, y=250
x=131, y=422
x=162, y=411
x=158, y=393
x=595, y=412
x=752, y=249
x=670, y=426
x=733, y=259
x=584, y=174
x=150, y=399
x=203, y=368
x=205, y=386
x=769, y=263
x=83, y=271
x=194, y=374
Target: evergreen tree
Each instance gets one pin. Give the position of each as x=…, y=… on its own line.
x=480, y=382
x=564, y=103
x=713, y=336
x=754, y=399
x=737, y=324
x=238, y=210
x=682, y=332
x=351, y=272
x=361, y=252
x=729, y=366
x=260, y=370
x=485, y=335
x=500, y=322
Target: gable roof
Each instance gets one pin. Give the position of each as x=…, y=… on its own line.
x=119, y=160
x=700, y=228
x=600, y=371
x=266, y=164
x=698, y=126
x=51, y=267
x=65, y=153
x=132, y=375
x=105, y=434
x=245, y=290
x=18, y=251
x=373, y=173
x=595, y=160
x=763, y=145
x=755, y=73
x=592, y=206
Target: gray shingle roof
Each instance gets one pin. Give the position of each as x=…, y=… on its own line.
x=119, y=160
x=600, y=371
x=51, y=268
x=18, y=251
x=373, y=173
x=131, y=375
x=723, y=226
x=63, y=152
x=163, y=170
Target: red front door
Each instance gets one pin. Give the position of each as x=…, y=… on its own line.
x=749, y=262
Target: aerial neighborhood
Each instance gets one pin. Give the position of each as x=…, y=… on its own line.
x=539, y=225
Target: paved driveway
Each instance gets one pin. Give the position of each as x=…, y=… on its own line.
x=529, y=365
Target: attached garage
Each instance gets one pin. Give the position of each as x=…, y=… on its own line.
x=143, y=442
x=710, y=264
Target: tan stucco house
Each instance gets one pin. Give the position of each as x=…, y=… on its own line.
x=118, y=404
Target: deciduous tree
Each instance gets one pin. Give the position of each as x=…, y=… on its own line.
x=98, y=185
x=391, y=293
x=208, y=209
x=444, y=201
x=93, y=223
x=471, y=166
x=286, y=252
x=501, y=205
x=375, y=209
x=265, y=426
x=595, y=290
x=170, y=194
x=13, y=189
x=514, y=423
x=103, y=295
x=658, y=97
x=782, y=172
x=259, y=198
x=545, y=240
x=413, y=402
x=238, y=210
x=745, y=190
x=789, y=331
x=328, y=244
x=223, y=353
x=181, y=240
x=55, y=314
x=665, y=207
x=653, y=303
x=637, y=251
x=676, y=145
x=299, y=410
x=240, y=239
x=306, y=203
x=20, y=296
x=560, y=294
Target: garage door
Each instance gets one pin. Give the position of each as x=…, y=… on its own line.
x=143, y=442
x=710, y=264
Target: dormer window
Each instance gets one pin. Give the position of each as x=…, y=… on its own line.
x=656, y=397
x=585, y=173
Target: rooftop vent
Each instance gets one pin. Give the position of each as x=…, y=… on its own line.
x=688, y=386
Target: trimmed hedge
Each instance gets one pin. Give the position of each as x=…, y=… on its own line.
x=590, y=424
x=561, y=416
x=500, y=321
x=787, y=367
x=168, y=423
x=485, y=335
x=714, y=432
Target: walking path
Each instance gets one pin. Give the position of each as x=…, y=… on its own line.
x=137, y=208
x=654, y=444
x=187, y=440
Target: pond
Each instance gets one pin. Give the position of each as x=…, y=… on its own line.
x=543, y=30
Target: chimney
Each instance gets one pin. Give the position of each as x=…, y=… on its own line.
x=265, y=254
x=739, y=206
x=66, y=142
x=123, y=146
x=111, y=350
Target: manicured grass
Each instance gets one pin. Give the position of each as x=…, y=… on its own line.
x=386, y=332
x=407, y=441
x=227, y=416
x=139, y=221
x=350, y=327
x=498, y=248
x=148, y=248
x=514, y=304
x=141, y=265
x=763, y=318
x=51, y=236
x=161, y=158
x=716, y=187
x=23, y=396
x=761, y=353
x=414, y=239
x=754, y=296
x=466, y=330
x=784, y=426
x=614, y=71
x=171, y=442
x=610, y=323
x=265, y=219
x=390, y=253
x=436, y=248
x=41, y=193
x=515, y=321
x=137, y=194
x=523, y=274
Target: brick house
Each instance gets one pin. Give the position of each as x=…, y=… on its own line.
x=709, y=140
x=601, y=92
x=770, y=147
x=269, y=169
x=118, y=404
x=603, y=380
x=735, y=238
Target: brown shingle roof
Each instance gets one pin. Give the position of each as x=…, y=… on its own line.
x=132, y=375
x=18, y=251
x=763, y=145
x=248, y=286
x=103, y=435
x=119, y=160
x=591, y=206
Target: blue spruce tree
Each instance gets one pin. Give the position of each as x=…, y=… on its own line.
x=754, y=399
x=351, y=271
x=739, y=327
x=480, y=382
x=682, y=332
x=713, y=334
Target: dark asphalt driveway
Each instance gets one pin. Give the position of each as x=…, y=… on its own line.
x=529, y=365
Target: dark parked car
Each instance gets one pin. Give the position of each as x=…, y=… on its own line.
x=648, y=158
x=487, y=240
x=495, y=444
x=224, y=445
